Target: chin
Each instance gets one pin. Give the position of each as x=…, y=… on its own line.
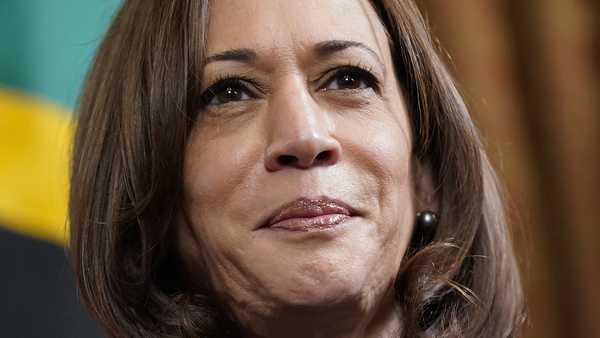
x=329, y=294
x=347, y=270
x=322, y=282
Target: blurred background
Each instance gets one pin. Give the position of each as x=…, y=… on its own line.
x=45, y=49
x=530, y=71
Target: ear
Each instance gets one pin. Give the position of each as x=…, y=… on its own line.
x=425, y=188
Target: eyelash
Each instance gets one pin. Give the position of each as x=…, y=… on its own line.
x=241, y=82
x=365, y=74
x=229, y=81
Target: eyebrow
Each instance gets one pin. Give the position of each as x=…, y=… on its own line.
x=245, y=55
x=329, y=47
x=322, y=49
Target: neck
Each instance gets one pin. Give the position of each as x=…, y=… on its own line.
x=339, y=321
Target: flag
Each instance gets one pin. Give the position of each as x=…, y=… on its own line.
x=45, y=50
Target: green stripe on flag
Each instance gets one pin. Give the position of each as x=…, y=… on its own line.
x=46, y=46
x=45, y=50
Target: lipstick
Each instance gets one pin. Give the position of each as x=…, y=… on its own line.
x=310, y=214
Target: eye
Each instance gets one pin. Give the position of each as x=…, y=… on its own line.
x=350, y=78
x=226, y=91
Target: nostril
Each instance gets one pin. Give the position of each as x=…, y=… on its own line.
x=301, y=159
x=324, y=155
x=287, y=159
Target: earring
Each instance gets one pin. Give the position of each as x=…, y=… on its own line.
x=427, y=219
x=426, y=224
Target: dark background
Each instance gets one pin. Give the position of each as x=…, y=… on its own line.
x=37, y=293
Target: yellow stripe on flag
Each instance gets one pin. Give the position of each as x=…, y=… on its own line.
x=35, y=140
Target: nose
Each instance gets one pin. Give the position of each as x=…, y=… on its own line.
x=299, y=130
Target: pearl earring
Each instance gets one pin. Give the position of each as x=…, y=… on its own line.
x=427, y=219
x=426, y=224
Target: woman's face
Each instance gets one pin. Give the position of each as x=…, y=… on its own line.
x=316, y=112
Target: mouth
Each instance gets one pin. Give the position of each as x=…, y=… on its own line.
x=309, y=214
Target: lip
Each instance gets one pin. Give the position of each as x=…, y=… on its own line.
x=304, y=214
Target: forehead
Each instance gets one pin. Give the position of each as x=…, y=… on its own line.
x=291, y=24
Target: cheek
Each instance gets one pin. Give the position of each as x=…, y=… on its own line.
x=216, y=173
x=380, y=145
x=382, y=148
x=393, y=164
x=216, y=169
x=206, y=175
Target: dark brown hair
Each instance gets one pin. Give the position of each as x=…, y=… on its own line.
x=135, y=114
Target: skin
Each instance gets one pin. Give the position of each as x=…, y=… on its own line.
x=347, y=142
